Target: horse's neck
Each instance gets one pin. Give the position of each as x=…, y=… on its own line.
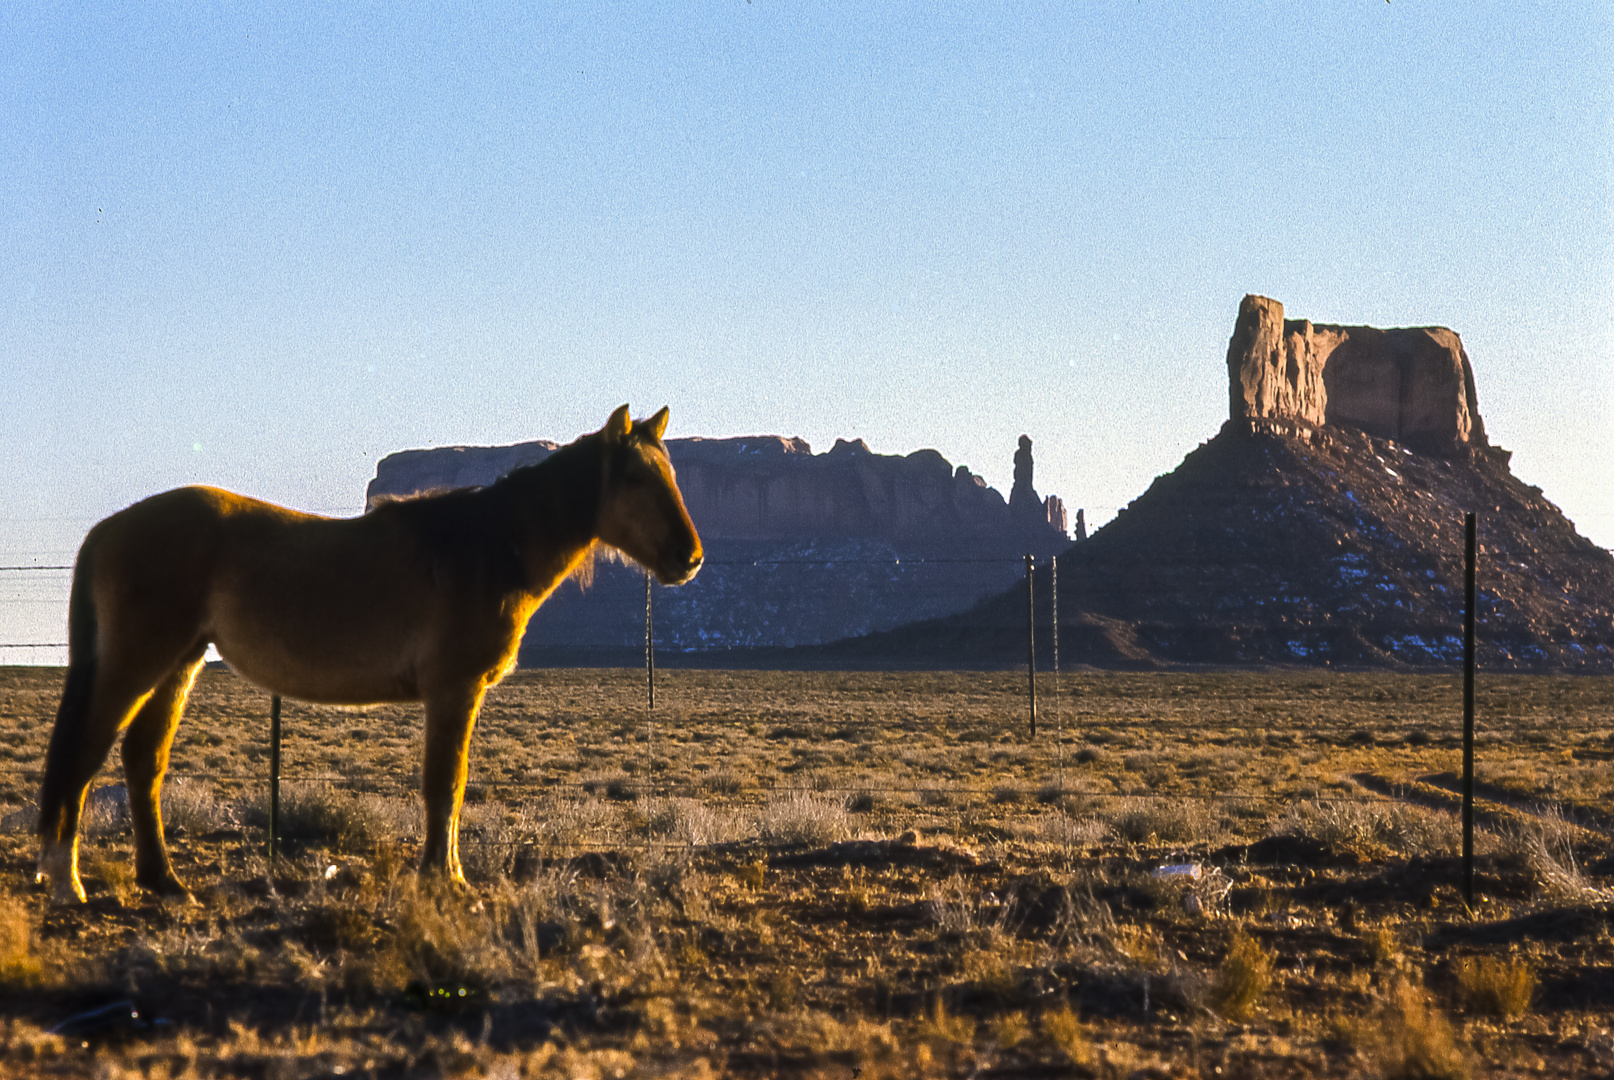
x=554, y=506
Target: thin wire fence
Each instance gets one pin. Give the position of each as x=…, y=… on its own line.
x=1055, y=685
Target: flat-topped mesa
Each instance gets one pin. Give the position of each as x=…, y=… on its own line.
x=771, y=488
x=1413, y=385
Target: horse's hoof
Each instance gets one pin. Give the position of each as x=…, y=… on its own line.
x=58, y=867
x=168, y=887
x=67, y=894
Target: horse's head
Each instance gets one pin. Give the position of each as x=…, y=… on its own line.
x=642, y=512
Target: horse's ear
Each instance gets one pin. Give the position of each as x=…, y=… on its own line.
x=656, y=425
x=617, y=428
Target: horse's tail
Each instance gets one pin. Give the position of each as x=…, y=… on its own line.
x=82, y=657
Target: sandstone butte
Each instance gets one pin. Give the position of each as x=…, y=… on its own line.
x=1323, y=525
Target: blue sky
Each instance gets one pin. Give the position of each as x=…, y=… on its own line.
x=262, y=247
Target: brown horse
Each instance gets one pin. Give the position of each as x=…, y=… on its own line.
x=418, y=600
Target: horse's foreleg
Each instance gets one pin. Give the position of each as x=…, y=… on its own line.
x=145, y=760
x=449, y=720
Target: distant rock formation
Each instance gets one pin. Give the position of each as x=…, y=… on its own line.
x=1023, y=499
x=770, y=488
x=1054, y=508
x=1322, y=526
x=1414, y=386
x=801, y=547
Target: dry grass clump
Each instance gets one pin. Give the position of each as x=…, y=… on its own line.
x=322, y=813
x=1545, y=844
x=1242, y=979
x=945, y=1030
x=1068, y=831
x=723, y=782
x=1382, y=945
x=1008, y=794
x=106, y=812
x=1009, y=1029
x=567, y=821
x=111, y=870
x=195, y=807
x=1496, y=986
x=1164, y=821
x=953, y=906
x=1064, y=1030
x=1410, y=1039
x=20, y=966
x=802, y=817
x=1364, y=824
x=691, y=822
x=443, y=937
x=866, y=802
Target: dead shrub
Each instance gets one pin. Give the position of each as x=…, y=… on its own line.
x=441, y=938
x=565, y=822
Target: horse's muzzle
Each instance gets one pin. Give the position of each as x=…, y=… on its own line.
x=679, y=571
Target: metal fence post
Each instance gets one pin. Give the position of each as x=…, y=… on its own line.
x=1472, y=554
x=274, y=776
x=1059, y=712
x=650, y=694
x=649, y=648
x=1031, y=644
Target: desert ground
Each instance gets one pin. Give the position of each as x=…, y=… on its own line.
x=844, y=875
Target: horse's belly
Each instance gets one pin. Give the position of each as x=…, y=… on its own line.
x=324, y=665
x=330, y=684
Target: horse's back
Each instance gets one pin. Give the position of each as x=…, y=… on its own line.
x=321, y=608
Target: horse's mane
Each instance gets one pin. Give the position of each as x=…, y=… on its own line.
x=460, y=521
x=386, y=498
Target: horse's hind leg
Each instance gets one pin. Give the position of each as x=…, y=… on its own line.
x=94, y=708
x=145, y=760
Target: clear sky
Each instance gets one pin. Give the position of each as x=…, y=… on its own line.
x=263, y=247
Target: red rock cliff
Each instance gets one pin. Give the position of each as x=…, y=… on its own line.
x=1412, y=385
